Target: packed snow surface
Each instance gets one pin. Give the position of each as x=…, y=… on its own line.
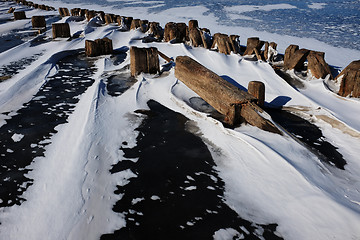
x=269, y=178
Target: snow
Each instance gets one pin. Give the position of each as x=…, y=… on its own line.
x=268, y=177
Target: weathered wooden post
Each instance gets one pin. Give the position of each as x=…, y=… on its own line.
x=227, y=99
x=269, y=51
x=257, y=89
x=350, y=80
x=195, y=37
x=38, y=21
x=294, y=57
x=253, y=44
x=19, y=15
x=64, y=12
x=90, y=14
x=98, y=47
x=61, y=30
x=155, y=30
x=317, y=65
x=144, y=60
x=235, y=43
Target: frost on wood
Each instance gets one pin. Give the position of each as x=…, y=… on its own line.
x=144, y=60
x=350, y=80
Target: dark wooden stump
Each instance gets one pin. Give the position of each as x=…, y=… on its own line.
x=317, y=65
x=98, y=47
x=38, y=22
x=257, y=89
x=350, y=80
x=19, y=15
x=253, y=43
x=144, y=60
x=61, y=30
x=294, y=57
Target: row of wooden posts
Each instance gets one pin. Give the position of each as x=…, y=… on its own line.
x=233, y=103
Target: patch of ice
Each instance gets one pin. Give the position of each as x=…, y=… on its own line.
x=227, y=234
x=154, y=197
x=17, y=137
x=317, y=5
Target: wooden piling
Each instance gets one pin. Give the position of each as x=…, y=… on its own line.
x=144, y=60
x=64, y=12
x=317, y=65
x=19, y=15
x=257, y=89
x=294, y=57
x=350, y=80
x=98, y=47
x=38, y=21
x=61, y=30
x=253, y=43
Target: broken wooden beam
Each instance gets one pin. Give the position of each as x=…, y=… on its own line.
x=220, y=94
x=144, y=60
x=236, y=105
x=61, y=30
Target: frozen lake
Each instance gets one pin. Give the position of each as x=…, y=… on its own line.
x=335, y=22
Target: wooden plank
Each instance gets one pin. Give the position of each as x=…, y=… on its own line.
x=216, y=91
